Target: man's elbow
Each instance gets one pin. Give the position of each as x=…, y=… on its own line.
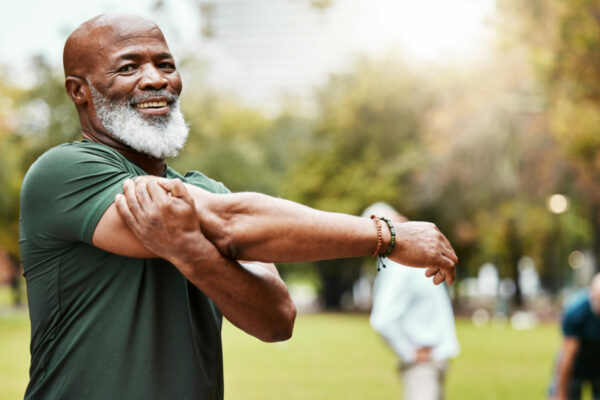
x=283, y=327
x=221, y=233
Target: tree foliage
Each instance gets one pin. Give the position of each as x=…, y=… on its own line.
x=563, y=40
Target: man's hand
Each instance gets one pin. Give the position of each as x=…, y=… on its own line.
x=164, y=222
x=422, y=245
x=423, y=354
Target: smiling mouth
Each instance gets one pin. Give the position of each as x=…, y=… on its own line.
x=151, y=104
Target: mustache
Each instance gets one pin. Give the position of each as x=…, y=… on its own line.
x=171, y=97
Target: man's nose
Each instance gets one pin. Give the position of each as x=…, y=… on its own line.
x=152, y=78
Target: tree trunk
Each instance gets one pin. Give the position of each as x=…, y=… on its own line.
x=515, y=252
x=596, y=238
x=337, y=277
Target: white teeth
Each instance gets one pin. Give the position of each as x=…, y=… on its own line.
x=151, y=104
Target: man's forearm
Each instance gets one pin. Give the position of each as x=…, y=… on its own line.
x=563, y=379
x=569, y=349
x=249, y=295
x=254, y=226
x=257, y=227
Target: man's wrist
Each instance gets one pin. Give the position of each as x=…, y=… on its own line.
x=196, y=251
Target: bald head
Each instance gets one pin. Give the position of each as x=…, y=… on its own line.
x=95, y=38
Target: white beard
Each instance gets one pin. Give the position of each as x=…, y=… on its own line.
x=158, y=136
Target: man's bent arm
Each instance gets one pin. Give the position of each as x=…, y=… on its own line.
x=566, y=360
x=251, y=295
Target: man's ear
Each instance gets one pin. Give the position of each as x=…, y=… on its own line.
x=77, y=89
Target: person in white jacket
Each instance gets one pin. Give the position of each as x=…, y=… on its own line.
x=416, y=319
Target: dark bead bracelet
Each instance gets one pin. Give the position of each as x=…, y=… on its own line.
x=393, y=233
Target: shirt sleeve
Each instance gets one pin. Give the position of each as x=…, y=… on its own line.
x=197, y=178
x=571, y=322
x=66, y=192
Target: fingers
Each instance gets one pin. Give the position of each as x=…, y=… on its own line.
x=438, y=278
x=431, y=272
x=166, y=184
x=450, y=276
x=142, y=194
x=129, y=192
x=450, y=254
x=441, y=274
x=157, y=188
x=124, y=211
x=180, y=191
x=447, y=250
x=157, y=192
x=148, y=200
x=447, y=268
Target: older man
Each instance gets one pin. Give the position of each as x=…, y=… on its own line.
x=126, y=293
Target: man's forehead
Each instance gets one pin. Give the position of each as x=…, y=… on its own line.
x=134, y=47
x=107, y=33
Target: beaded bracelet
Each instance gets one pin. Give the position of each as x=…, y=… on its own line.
x=393, y=233
x=392, y=242
x=377, y=221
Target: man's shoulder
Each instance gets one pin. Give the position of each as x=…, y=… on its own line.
x=579, y=303
x=80, y=149
x=63, y=153
x=68, y=164
x=576, y=313
x=70, y=157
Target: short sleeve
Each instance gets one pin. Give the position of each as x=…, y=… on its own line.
x=199, y=179
x=67, y=190
x=571, y=321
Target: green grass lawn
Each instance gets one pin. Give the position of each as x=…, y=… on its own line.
x=338, y=356
x=14, y=354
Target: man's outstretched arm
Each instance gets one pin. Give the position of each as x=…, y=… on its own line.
x=257, y=227
x=254, y=226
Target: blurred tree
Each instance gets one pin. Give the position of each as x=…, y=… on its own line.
x=366, y=142
x=46, y=115
x=31, y=121
x=10, y=171
x=493, y=167
x=238, y=145
x=564, y=43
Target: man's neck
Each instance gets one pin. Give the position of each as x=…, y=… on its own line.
x=152, y=166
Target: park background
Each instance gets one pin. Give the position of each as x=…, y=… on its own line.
x=482, y=116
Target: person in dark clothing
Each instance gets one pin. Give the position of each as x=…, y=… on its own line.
x=578, y=361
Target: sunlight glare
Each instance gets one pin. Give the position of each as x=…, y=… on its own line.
x=432, y=29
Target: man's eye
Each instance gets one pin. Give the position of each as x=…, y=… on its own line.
x=127, y=68
x=166, y=65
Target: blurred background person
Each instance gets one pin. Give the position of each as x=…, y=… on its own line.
x=579, y=358
x=416, y=319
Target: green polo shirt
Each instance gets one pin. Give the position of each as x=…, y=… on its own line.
x=104, y=326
